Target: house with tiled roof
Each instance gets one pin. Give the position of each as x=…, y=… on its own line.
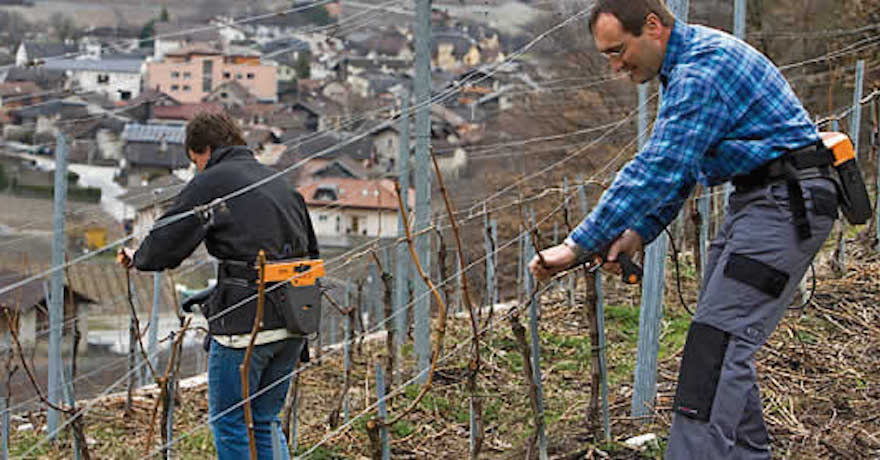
x=387, y=44
x=452, y=50
x=44, y=78
x=19, y=94
x=152, y=149
x=119, y=79
x=28, y=308
x=318, y=169
x=231, y=94
x=45, y=115
x=342, y=207
x=291, y=55
x=182, y=113
x=30, y=52
x=146, y=201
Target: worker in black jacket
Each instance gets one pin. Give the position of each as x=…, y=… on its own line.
x=271, y=217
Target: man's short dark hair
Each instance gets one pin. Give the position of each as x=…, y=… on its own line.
x=632, y=13
x=213, y=130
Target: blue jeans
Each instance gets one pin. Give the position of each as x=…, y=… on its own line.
x=270, y=363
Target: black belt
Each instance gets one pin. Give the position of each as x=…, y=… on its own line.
x=789, y=168
x=239, y=269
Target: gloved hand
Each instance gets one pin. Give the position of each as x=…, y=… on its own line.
x=196, y=299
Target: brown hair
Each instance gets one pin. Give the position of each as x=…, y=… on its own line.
x=213, y=130
x=632, y=13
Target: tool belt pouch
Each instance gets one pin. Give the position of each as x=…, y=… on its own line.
x=301, y=308
x=855, y=203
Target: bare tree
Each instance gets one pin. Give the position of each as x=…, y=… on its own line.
x=62, y=26
x=13, y=27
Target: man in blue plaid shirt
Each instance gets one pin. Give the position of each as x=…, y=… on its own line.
x=726, y=113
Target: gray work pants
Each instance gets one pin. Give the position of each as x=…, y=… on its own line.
x=753, y=269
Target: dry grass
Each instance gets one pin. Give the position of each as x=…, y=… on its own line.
x=819, y=374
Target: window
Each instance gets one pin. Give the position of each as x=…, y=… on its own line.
x=238, y=76
x=124, y=95
x=207, y=72
x=175, y=87
x=224, y=95
x=175, y=74
x=103, y=78
x=355, y=225
x=186, y=87
x=227, y=75
x=250, y=76
x=187, y=75
x=322, y=218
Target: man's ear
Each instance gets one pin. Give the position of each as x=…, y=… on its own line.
x=653, y=26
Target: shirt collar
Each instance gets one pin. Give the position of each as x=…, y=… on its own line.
x=674, y=49
x=222, y=153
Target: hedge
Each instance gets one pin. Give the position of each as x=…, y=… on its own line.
x=89, y=194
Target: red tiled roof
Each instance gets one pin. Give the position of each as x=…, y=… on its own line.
x=18, y=88
x=262, y=109
x=355, y=193
x=185, y=111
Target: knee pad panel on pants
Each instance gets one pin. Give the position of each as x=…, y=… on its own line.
x=700, y=371
x=756, y=274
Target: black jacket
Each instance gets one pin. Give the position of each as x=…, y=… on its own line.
x=272, y=217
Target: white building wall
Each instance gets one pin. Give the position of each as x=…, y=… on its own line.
x=387, y=145
x=389, y=224
x=325, y=222
x=118, y=81
x=21, y=56
x=318, y=71
x=453, y=166
x=161, y=47
x=109, y=144
x=144, y=220
x=46, y=125
x=339, y=222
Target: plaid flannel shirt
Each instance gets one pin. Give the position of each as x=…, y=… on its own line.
x=726, y=109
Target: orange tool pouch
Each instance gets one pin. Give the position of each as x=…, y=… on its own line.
x=301, y=296
x=854, y=201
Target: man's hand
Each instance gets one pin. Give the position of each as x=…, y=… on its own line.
x=629, y=243
x=556, y=259
x=125, y=257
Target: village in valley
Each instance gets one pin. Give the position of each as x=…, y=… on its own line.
x=301, y=83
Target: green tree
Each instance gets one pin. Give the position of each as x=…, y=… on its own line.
x=147, y=33
x=163, y=16
x=317, y=15
x=4, y=181
x=303, y=66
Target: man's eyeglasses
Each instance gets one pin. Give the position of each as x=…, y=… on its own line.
x=615, y=52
